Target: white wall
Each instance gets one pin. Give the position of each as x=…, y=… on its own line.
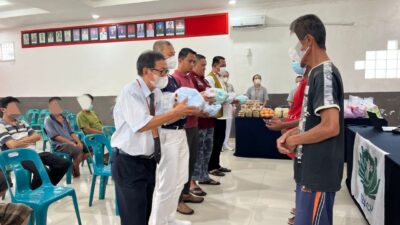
x=102, y=69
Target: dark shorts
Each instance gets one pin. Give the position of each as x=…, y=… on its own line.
x=314, y=208
x=14, y=214
x=69, y=149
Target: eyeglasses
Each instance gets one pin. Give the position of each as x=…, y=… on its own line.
x=162, y=72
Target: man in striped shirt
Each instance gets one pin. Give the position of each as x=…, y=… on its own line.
x=16, y=133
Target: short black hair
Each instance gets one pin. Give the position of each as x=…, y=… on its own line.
x=200, y=57
x=185, y=52
x=148, y=60
x=7, y=100
x=90, y=96
x=256, y=75
x=54, y=99
x=216, y=60
x=299, y=77
x=312, y=25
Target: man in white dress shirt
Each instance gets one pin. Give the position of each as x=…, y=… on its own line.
x=136, y=142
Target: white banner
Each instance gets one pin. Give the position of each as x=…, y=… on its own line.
x=368, y=179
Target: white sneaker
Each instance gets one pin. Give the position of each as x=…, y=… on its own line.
x=227, y=147
x=181, y=222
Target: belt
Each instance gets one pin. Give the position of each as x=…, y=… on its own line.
x=173, y=127
x=119, y=151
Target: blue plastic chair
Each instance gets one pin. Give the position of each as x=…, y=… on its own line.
x=72, y=121
x=108, y=131
x=32, y=116
x=81, y=136
x=41, y=198
x=99, y=142
x=67, y=112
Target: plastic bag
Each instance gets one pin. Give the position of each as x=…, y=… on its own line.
x=231, y=97
x=211, y=110
x=219, y=94
x=194, y=97
x=242, y=99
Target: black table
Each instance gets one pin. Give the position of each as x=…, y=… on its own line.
x=253, y=139
x=389, y=143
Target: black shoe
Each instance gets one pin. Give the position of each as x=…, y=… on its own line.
x=224, y=170
x=217, y=173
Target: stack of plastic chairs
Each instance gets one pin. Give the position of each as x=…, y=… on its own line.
x=41, y=198
x=98, y=143
x=32, y=116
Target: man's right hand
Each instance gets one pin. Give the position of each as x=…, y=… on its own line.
x=274, y=124
x=181, y=109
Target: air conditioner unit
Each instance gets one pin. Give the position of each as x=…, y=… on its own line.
x=248, y=22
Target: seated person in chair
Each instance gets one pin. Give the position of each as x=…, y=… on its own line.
x=16, y=133
x=87, y=119
x=11, y=213
x=62, y=137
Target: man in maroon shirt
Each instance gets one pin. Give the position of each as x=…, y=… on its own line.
x=186, y=61
x=206, y=131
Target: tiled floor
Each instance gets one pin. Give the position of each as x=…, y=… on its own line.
x=257, y=192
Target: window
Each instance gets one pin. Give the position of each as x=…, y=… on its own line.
x=381, y=64
x=7, y=52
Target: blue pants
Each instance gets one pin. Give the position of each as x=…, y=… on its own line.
x=314, y=208
x=203, y=155
x=134, y=180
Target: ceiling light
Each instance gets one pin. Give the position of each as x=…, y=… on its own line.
x=232, y=2
x=95, y=16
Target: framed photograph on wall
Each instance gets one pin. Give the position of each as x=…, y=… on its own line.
x=76, y=35
x=140, y=30
x=180, y=27
x=112, y=32
x=121, y=31
x=94, y=33
x=85, y=34
x=59, y=36
x=34, y=38
x=149, y=29
x=131, y=30
x=170, y=28
x=26, y=39
x=160, y=29
x=42, y=38
x=103, y=33
x=50, y=37
x=67, y=36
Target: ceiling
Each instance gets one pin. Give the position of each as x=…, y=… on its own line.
x=22, y=13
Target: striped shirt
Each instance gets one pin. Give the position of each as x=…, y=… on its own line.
x=10, y=132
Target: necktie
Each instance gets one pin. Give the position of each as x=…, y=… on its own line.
x=157, y=143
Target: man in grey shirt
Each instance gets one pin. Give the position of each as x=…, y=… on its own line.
x=61, y=136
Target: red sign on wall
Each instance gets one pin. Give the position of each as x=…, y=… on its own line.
x=182, y=27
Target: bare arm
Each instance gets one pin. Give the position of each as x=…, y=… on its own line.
x=63, y=140
x=24, y=142
x=89, y=130
x=328, y=127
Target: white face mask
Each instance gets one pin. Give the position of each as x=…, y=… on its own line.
x=297, y=84
x=225, y=79
x=171, y=62
x=222, y=70
x=85, y=102
x=160, y=82
x=257, y=81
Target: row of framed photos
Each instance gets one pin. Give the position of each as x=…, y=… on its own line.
x=104, y=33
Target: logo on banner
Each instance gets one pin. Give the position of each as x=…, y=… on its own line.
x=368, y=173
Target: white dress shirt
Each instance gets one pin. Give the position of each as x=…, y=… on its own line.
x=131, y=113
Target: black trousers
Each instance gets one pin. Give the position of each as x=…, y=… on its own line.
x=192, y=135
x=56, y=167
x=134, y=180
x=218, y=141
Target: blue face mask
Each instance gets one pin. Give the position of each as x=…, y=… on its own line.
x=296, y=66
